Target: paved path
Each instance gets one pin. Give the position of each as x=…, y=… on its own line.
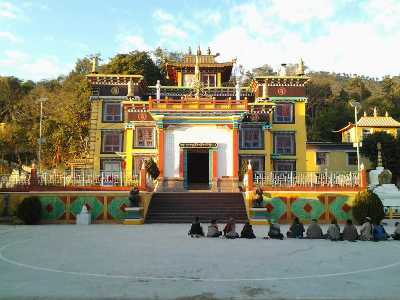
x=161, y=262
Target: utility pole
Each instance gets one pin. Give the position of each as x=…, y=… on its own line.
x=40, y=141
x=356, y=106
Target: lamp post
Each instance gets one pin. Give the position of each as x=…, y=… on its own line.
x=356, y=106
x=40, y=100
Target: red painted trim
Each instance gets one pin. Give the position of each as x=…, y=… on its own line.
x=214, y=164
x=161, y=151
x=181, y=163
x=235, y=156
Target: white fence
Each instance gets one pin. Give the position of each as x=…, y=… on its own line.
x=306, y=179
x=56, y=178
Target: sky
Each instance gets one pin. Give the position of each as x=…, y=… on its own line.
x=43, y=39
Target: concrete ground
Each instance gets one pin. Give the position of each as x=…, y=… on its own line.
x=162, y=262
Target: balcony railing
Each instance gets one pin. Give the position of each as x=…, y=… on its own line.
x=197, y=104
x=180, y=91
x=67, y=179
x=306, y=179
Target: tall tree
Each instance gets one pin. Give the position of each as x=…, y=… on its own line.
x=135, y=63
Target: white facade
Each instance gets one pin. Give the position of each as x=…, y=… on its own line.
x=221, y=135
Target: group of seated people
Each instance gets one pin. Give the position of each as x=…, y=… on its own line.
x=368, y=231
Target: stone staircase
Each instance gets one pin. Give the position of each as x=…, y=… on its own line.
x=183, y=207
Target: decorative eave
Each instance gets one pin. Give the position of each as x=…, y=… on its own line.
x=280, y=99
x=113, y=79
x=282, y=80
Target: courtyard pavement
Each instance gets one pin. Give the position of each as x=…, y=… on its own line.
x=161, y=262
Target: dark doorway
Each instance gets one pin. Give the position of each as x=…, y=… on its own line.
x=198, y=168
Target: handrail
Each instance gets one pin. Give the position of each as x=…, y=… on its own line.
x=310, y=179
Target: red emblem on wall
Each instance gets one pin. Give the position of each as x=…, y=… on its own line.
x=142, y=116
x=281, y=91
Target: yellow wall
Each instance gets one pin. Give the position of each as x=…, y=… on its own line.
x=352, y=131
x=299, y=127
x=337, y=161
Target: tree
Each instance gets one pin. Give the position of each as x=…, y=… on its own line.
x=368, y=204
x=134, y=63
x=332, y=118
x=389, y=149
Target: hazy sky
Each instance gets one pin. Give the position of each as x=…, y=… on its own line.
x=43, y=39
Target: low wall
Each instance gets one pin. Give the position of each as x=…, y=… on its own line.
x=284, y=206
x=62, y=207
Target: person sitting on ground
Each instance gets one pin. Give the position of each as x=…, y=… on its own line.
x=230, y=229
x=296, y=230
x=396, y=233
x=196, y=230
x=366, y=230
x=247, y=232
x=350, y=232
x=333, y=232
x=213, y=230
x=379, y=232
x=259, y=201
x=275, y=231
x=314, y=231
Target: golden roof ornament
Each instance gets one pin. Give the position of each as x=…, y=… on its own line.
x=300, y=69
x=95, y=64
x=375, y=112
x=386, y=114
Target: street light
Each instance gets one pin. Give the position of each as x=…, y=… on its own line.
x=356, y=106
x=40, y=141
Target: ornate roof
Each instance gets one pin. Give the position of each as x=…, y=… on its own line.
x=378, y=122
x=373, y=121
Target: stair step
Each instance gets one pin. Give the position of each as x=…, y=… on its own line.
x=183, y=207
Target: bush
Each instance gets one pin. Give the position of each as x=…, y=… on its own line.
x=368, y=204
x=30, y=210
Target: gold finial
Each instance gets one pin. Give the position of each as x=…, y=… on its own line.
x=300, y=69
x=95, y=64
x=375, y=112
x=386, y=114
x=379, y=147
x=365, y=113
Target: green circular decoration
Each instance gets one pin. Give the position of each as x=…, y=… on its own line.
x=340, y=209
x=276, y=208
x=115, y=207
x=96, y=207
x=53, y=207
x=307, y=209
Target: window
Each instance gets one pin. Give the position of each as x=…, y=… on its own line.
x=321, y=158
x=144, y=137
x=348, y=137
x=285, y=165
x=365, y=133
x=112, y=112
x=284, y=113
x=111, y=141
x=188, y=79
x=251, y=138
x=111, y=166
x=284, y=143
x=257, y=162
x=208, y=79
x=352, y=158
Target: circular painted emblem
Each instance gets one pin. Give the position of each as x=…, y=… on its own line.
x=114, y=90
x=281, y=91
x=142, y=116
